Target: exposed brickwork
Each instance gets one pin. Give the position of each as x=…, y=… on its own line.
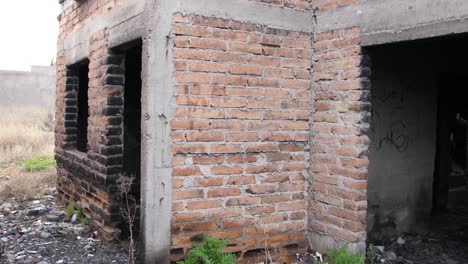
x=77, y=14
x=340, y=144
x=86, y=179
x=294, y=4
x=240, y=135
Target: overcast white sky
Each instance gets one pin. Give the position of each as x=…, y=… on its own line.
x=28, y=33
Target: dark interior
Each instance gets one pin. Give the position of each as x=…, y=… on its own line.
x=418, y=179
x=132, y=120
x=82, y=122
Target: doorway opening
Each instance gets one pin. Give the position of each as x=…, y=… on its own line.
x=417, y=184
x=132, y=127
x=450, y=174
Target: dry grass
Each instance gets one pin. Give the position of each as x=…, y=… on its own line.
x=15, y=181
x=25, y=132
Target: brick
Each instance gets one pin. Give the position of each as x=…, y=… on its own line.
x=186, y=171
x=246, y=47
x=192, y=78
x=207, y=67
x=207, y=182
x=245, y=70
x=243, y=137
x=229, y=102
x=206, y=113
x=204, y=43
x=230, y=148
x=239, y=159
x=207, y=160
x=243, y=201
x=194, y=205
x=224, y=192
x=204, y=136
x=240, y=180
x=186, y=149
x=207, y=90
x=225, y=170
x=191, y=194
x=261, y=189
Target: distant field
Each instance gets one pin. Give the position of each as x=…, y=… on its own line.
x=26, y=135
x=25, y=131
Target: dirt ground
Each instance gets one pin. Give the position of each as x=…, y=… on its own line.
x=446, y=241
x=39, y=231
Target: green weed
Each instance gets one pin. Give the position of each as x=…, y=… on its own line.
x=209, y=252
x=342, y=256
x=38, y=164
x=70, y=210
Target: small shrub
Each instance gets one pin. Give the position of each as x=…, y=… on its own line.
x=342, y=256
x=84, y=221
x=70, y=210
x=38, y=164
x=209, y=252
x=372, y=254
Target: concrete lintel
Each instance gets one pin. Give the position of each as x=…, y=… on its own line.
x=384, y=20
x=251, y=12
x=418, y=32
x=119, y=19
x=127, y=31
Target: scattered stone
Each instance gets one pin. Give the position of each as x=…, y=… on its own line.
x=74, y=218
x=45, y=235
x=381, y=249
x=401, y=241
x=37, y=232
x=37, y=211
x=6, y=210
x=390, y=255
x=52, y=218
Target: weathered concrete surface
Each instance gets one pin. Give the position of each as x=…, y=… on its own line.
x=157, y=107
x=385, y=21
x=123, y=23
x=251, y=12
x=403, y=136
x=33, y=88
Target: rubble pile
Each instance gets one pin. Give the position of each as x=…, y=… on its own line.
x=39, y=231
x=444, y=242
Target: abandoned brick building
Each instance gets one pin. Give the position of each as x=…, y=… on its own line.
x=279, y=122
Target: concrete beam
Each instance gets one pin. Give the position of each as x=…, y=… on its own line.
x=386, y=21
x=122, y=23
x=129, y=30
x=251, y=12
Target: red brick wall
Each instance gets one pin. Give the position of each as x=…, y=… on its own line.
x=294, y=4
x=240, y=134
x=340, y=144
x=78, y=13
x=86, y=179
